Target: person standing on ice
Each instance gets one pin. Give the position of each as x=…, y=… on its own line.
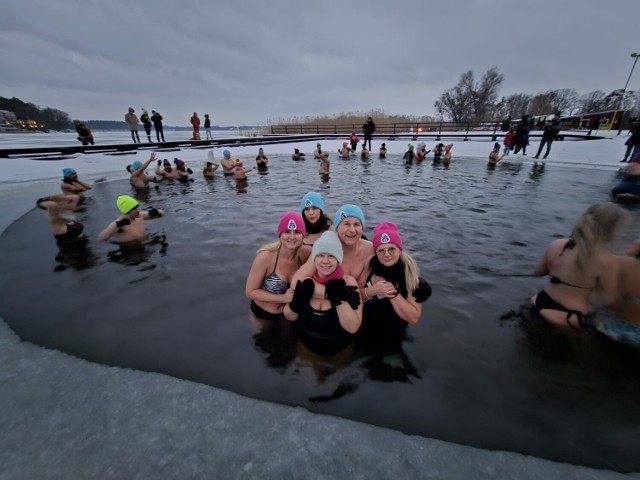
x=195, y=122
x=132, y=121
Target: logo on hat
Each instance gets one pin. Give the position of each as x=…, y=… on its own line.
x=292, y=225
x=308, y=203
x=385, y=238
x=343, y=215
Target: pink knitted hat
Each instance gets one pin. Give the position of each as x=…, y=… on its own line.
x=386, y=232
x=291, y=221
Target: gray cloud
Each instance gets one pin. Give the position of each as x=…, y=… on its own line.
x=246, y=62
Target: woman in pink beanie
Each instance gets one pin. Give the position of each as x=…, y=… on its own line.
x=390, y=286
x=268, y=281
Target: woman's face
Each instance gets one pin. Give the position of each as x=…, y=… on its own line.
x=388, y=254
x=312, y=214
x=291, y=239
x=325, y=264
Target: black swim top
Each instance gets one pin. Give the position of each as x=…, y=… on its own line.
x=74, y=230
x=556, y=280
x=273, y=283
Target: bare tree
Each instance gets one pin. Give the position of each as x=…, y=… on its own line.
x=565, y=100
x=593, y=102
x=514, y=106
x=541, y=104
x=468, y=100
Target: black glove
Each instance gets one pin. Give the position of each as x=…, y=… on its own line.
x=159, y=162
x=123, y=222
x=39, y=201
x=302, y=295
x=423, y=292
x=353, y=296
x=336, y=291
x=189, y=171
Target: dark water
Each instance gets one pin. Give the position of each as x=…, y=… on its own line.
x=475, y=370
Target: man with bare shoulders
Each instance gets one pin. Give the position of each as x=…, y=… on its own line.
x=226, y=163
x=129, y=227
x=71, y=185
x=348, y=222
x=139, y=177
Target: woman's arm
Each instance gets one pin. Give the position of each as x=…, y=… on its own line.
x=407, y=308
x=253, y=287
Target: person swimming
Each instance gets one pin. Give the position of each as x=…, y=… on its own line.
x=129, y=227
x=64, y=230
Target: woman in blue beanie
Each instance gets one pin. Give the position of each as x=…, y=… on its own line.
x=315, y=220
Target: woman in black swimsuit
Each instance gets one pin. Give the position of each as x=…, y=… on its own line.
x=64, y=230
x=578, y=266
x=268, y=281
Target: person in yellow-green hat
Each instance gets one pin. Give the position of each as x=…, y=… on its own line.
x=129, y=227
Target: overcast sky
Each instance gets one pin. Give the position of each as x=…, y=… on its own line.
x=249, y=62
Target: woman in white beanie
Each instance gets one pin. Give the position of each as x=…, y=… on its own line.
x=326, y=323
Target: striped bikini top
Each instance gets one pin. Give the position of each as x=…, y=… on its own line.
x=272, y=283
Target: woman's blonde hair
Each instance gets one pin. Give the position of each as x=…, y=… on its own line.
x=275, y=246
x=411, y=271
x=598, y=226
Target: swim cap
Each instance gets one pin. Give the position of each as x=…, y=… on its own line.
x=312, y=199
x=136, y=165
x=260, y=150
x=386, y=232
x=448, y=147
x=496, y=146
x=67, y=172
x=178, y=162
x=226, y=153
x=166, y=163
x=126, y=203
x=239, y=163
x=328, y=243
x=291, y=221
x=384, y=144
x=348, y=211
x=410, y=146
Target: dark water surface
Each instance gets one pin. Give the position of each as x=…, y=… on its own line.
x=475, y=370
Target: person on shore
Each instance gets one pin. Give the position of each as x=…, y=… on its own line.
x=297, y=155
x=409, y=155
x=261, y=161
x=509, y=140
x=209, y=169
x=383, y=151
x=226, y=163
x=315, y=220
x=368, y=128
x=327, y=317
x=438, y=152
x=494, y=156
x=268, y=282
x=85, y=136
x=522, y=136
x=632, y=142
x=594, y=125
x=207, y=127
x=129, y=226
x=146, y=123
x=132, y=121
x=156, y=118
x=195, y=123
x=550, y=132
x=139, y=178
x=421, y=152
x=364, y=153
x=239, y=172
x=446, y=159
x=353, y=140
x=65, y=231
x=391, y=289
x=71, y=185
x=345, y=151
x=578, y=266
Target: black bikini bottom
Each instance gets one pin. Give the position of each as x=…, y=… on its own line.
x=262, y=313
x=545, y=302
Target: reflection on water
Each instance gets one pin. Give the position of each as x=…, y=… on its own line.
x=473, y=372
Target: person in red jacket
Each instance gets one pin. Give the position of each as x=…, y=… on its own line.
x=195, y=122
x=509, y=140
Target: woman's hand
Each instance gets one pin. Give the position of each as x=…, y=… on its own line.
x=287, y=296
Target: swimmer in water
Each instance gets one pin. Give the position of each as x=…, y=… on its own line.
x=64, y=230
x=383, y=151
x=447, y=154
x=268, y=283
x=226, y=163
x=345, y=151
x=409, y=155
x=315, y=221
x=297, y=155
x=261, y=161
x=71, y=185
x=494, y=156
x=209, y=169
x=139, y=178
x=129, y=226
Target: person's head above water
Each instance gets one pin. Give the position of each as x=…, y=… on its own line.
x=136, y=165
x=496, y=146
x=126, y=204
x=312, y=199
x=384, y=233
x=67, y=172
x=291, y=221
x=346, y=211
x=226, y=153
x=328, y=243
